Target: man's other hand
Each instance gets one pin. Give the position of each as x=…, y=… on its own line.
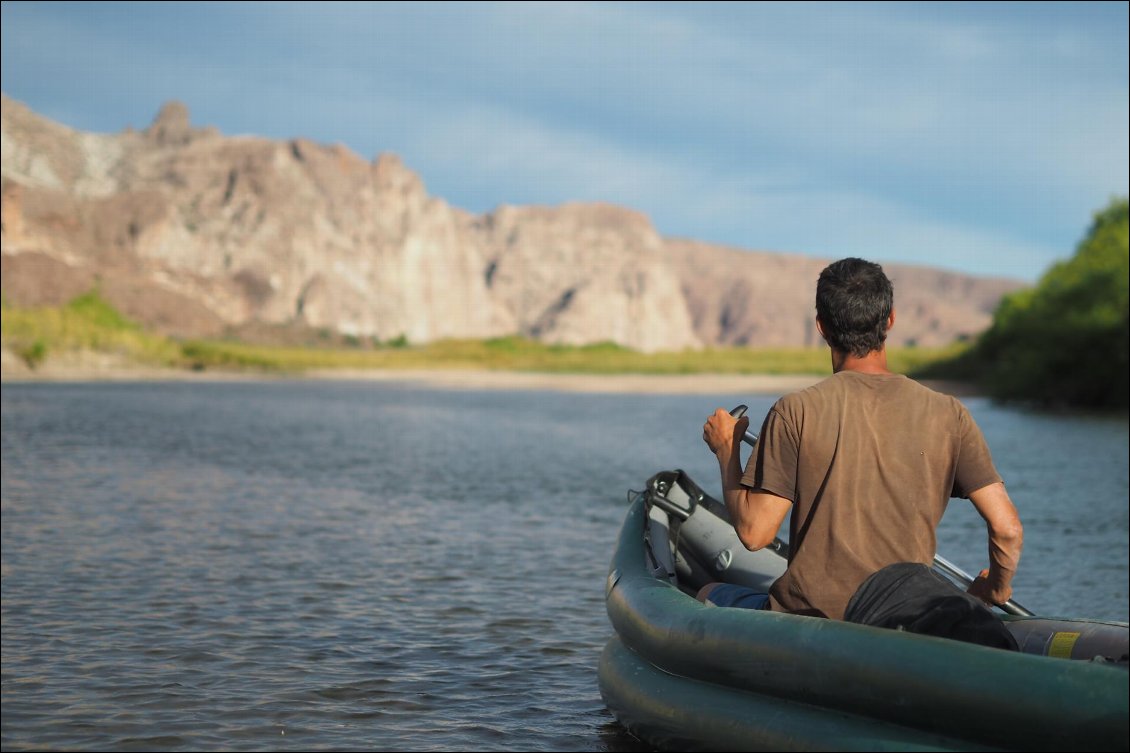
x=982, y=590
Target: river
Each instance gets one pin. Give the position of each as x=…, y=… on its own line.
x=310, y=565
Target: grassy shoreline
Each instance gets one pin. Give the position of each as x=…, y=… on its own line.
x=88, y=324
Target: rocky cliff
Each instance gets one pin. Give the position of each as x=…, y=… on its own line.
x=195, y=234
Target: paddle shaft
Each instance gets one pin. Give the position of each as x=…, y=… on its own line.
x=940, y=562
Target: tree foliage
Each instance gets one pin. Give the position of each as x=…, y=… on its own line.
x=1065, y=342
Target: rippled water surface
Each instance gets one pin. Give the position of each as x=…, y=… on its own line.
x=310, y=565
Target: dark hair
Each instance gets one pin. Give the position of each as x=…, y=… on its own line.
x=854, y=300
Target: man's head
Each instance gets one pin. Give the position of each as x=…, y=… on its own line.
x=854, y=300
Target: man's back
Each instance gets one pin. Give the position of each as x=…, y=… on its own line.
x=870, y=462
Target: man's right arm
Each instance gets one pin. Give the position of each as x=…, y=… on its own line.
x=1006, y=539
x=756, y=516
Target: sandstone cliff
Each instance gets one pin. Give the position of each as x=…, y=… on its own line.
x=195, y=233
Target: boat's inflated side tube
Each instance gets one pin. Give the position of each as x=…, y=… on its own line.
x=678, y=714
x=1072, y=639
x=713, y=542
x=708, y=538
x=986, y=697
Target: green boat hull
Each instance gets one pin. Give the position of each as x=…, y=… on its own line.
x=684, y=676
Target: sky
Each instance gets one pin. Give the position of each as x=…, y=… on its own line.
x=977, y=137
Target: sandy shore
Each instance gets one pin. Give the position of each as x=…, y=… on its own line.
x=450, y=379
x=95, y=367
x=700, y=384
x=682, y=384
x=102, y=367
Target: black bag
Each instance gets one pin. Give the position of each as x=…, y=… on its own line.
x=910, y=596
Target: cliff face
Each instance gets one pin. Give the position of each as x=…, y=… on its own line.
x=193, y=233
x=248, y=229
x=583, y=273
x=763, y=299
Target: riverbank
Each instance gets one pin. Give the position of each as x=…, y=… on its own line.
x=101, y=367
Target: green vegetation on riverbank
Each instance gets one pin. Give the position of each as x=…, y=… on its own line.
x=89, y=323
x=86, y=323
x=1065, y=342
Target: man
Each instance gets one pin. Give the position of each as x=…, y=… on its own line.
x=868, y=461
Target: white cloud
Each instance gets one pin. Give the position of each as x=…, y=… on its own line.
x=770, y=211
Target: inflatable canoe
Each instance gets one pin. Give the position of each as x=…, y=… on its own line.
x=682, y=675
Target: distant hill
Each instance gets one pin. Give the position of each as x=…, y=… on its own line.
x=196, y=234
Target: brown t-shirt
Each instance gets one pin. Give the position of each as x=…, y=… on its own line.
x=870, y=462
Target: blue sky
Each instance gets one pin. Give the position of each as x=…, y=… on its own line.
x=979, y=137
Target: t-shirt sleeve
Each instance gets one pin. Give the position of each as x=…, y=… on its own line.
x=772, y=467
x=974, y=468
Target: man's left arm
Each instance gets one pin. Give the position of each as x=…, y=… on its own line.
x=1006, y=540
x=976, y=477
